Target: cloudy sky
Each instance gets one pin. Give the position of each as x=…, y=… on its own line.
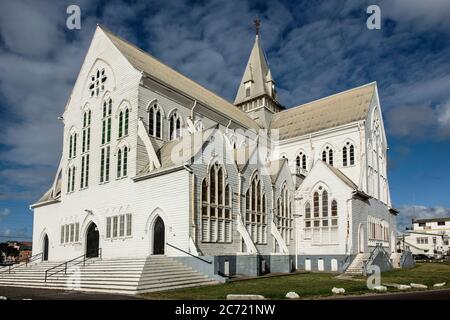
x=315, y=48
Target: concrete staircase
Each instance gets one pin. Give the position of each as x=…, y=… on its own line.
x=125, y=276
x=356, y=267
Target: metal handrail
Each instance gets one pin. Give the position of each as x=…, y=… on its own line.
x=171, y=245
x=346, y=264
x=370, y=258
x=66, y=263
x=27, y=260
x=378, y=248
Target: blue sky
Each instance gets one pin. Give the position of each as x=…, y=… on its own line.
x=315, y=48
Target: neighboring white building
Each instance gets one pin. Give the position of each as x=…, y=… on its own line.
x=154, y=163
x=428, y=237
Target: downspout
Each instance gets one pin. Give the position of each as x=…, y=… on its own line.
x=193, y=229
x=239, y=204
x=272, y=209
x=347, y=228
x=192, y=110
x=228, y=125
x=362, y=157
x=297, y=228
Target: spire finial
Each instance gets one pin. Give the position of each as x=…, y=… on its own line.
x=257, y=24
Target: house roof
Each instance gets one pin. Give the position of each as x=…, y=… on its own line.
x=430, y=220
x=146, y=63
x=332, y=111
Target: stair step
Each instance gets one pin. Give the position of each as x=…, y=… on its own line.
x=110, y=275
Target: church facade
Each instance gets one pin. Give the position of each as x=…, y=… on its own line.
x=154, y=163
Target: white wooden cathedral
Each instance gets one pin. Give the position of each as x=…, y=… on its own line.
x=154, y=164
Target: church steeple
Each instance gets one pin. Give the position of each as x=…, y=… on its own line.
x=257, y=87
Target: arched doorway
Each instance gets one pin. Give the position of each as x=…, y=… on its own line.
x=361, y=239
x=45, y=248
x=92, y=241
x=158, y=236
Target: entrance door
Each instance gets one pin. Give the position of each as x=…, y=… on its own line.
x=361, y=239
x=45, y=248
x=92, y=241
x=158, y=236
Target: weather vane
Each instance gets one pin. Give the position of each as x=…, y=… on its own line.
x=257, y=23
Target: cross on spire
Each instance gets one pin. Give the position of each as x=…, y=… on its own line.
x=257, y=24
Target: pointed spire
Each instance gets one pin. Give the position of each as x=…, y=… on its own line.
x=257, y=74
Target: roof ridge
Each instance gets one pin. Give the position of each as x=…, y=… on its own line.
x=327, y=97
x=110, y=33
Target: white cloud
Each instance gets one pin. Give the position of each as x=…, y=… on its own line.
x=443, y=119
x=4, y=213
x=420, y=122
x=5, y=232
x=420, y=14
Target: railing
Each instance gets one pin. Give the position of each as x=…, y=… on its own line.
x=346, y=263
x=27, y=260
x=188, y=253
x=74, y=262
x=378, y=248
x=371, y=258
x=403, y=257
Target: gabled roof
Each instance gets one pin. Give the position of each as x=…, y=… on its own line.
x=342, y=176
x=187, y=147
x=274, y=168
x=332, y=111
x=50, y=196
x=257, y=71
x=146, y=63
x=339, y=174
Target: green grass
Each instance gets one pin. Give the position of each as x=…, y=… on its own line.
x=308, y=285
x=424, y=273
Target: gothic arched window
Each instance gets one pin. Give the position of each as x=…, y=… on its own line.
x=348, y=155
x=322, y=226
x=328, y=155
x=155, y=121
x=256, y=215
x=216, y=207
x=72, y=145
x=122, y=162
x=124, y=116
x=174, y=126
x=284, y=214
x=300, y=161
x=71, y=178
x=105, y=141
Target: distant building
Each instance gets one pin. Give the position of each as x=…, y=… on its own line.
x=428, y=237
x=25, y=250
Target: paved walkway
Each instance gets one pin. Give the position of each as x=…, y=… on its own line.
x=16, y=293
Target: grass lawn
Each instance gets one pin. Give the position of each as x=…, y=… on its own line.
x=309, y=285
